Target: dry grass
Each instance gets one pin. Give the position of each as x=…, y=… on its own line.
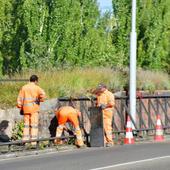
x=58, y=83
x=76, y=82
x=152, y=80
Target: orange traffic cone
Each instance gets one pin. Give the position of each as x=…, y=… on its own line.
x=159, y=131
x=129, y=136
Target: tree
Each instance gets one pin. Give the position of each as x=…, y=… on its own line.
x=33, y=49
x=152, y=32
x=121, y=30
x=6, y=35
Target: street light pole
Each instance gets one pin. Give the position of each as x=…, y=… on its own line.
x=133, y=46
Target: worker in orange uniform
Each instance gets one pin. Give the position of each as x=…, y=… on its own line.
x=106, y=100
x=28, y=101
x=68, y=114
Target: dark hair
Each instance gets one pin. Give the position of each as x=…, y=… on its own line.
x=101, y=85
x=33, y=78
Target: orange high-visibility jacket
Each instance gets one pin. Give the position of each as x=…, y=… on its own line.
x=29, y=98
x=107, y=98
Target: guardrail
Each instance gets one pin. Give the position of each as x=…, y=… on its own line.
x=147, y=109
x=22, y=145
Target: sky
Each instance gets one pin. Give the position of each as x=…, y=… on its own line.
x=105, y=5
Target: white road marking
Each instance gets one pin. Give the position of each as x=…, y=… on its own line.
x=130, y=163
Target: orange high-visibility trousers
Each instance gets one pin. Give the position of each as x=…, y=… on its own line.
x=107, y=123
x=69, y=114
x=30, y=126
x=107, y=99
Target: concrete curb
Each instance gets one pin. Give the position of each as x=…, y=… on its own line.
x=36, y=152
x=63, y=148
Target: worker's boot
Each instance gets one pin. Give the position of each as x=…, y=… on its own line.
x=109, y=144
x=58, y=142
x=79, y=139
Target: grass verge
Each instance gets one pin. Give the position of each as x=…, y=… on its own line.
x=77, y=81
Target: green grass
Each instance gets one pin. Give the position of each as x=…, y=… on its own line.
x=78, y=81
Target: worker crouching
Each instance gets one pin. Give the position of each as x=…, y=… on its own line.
x=68, y=114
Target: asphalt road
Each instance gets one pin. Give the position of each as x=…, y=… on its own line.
x=148, y=156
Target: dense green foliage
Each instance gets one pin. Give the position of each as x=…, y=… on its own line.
x=153, y=30
x=41, y=34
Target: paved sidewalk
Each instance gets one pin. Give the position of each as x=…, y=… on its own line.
x=27, y=152
x=37, y=151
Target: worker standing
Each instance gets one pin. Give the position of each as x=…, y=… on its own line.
x=28, y=101
x=68, y=114
x=106, y=100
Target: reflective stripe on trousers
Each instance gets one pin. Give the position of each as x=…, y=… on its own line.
x=59, y=132
x=79, y=139
x=30, y=126
x=26, y=131
x=34, y=131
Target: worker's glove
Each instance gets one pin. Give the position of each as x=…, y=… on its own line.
x=37, y=101
x=21, y=112
x=103, y=106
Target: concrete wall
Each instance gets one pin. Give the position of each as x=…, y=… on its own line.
x=46, y=115
x=11, y=116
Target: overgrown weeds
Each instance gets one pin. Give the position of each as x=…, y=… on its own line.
x=17, y=131
x=77, y=82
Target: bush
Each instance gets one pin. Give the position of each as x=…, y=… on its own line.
x=17, y=131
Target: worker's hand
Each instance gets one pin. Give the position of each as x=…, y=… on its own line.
x=37, y=101
x=21, y=112
x=103, y=106
x=19, y=106
x=79, y=114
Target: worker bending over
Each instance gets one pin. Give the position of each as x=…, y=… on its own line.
x=68, y=114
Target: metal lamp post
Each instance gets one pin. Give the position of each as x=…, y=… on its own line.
x=133, y=46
